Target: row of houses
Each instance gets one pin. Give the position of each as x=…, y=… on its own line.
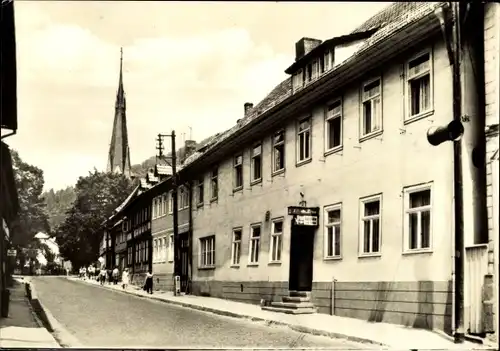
x=328, y=189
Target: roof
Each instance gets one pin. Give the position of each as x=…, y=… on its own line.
x=8, y=71
x=318, y=50
x=125, y=202
x=162, y=170
x=151, y=178
x=277, y=95
x=390, y=14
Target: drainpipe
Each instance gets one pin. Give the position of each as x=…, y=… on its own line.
x=190, y=240
x=454, y=54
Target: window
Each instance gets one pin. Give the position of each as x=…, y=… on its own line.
x=372, y=110
x=170, y=247
x=333, y=226
x=236, y=247
x=214, y=186
x=417, y=218
x=256, y=165
x=327, y=61
x=170, y=202
x=207, y=251
x=200, y=191
x=419, y=85
x=298, y=80
x=165, y=204
x=154, y=208
x=314, y=69
x=276, y=240
x=370, y=225
x=333, y=126
x=160, y=206
x=304, y=140
x=156, y=256
x=183, y=198
x=279, y=151
x=254, y=244
x=238, y=172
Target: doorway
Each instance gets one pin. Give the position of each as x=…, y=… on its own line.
x=301, y=258
x=184, y=260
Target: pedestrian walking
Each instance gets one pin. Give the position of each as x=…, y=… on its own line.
x=116, y=275
x=125, y=278
x=148, y=283
x=110, y=276
x=84, y=271
x=103, y=276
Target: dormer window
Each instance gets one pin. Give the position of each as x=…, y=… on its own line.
x=298, y=80
x=327, y=61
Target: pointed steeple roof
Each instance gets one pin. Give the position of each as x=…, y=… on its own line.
x=120, y=94
x=119, y=151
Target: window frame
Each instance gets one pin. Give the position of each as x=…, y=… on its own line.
x=252, y=240
x=273, y=235
x=327, y=129
x=202, y=265
x=274, y=145
x=165, y=204
x=373, y=133
x=298, y=161
x=326, y=225
x=170, y=202
x=238, y=167
x=155, y=250
x=362, y=217
x=183, y=197
x=214, y=179
x=407, y=191
x=200, y=191
x=254, y=180
x=408, y=117
x=169, y=243
x=233, y=244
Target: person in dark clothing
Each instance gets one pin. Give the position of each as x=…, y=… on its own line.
x=148, y=283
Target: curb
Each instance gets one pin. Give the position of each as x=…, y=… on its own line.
x=297, y=328
x=60, y=334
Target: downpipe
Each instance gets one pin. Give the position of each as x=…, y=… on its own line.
x=453, y=50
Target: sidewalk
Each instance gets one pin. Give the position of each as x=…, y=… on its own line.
x=22, y=328
x=377, y=334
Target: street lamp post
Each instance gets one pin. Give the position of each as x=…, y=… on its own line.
x=174, y=198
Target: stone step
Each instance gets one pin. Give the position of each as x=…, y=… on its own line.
x=296, y=299
x=290, y=310
x=294, y=305
x=300, y=293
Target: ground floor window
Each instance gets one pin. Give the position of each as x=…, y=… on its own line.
x=207, y=251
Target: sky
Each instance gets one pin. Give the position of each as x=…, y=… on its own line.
x=188, y=67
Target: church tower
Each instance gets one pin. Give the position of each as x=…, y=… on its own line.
x=119, y=152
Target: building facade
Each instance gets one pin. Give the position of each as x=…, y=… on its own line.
x=330, y=187
x=9, y=202
x=492, y=102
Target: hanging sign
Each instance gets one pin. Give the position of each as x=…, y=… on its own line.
x=304, y=216
x=11, y=253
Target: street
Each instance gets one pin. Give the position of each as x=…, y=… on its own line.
x=99, y=317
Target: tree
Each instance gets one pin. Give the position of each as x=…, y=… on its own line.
x=58, y=202
x=97, y=196
x=32, y=217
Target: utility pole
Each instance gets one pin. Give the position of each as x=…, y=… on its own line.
x=174, y=198
x=453, y=132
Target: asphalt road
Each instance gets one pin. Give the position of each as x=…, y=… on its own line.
x=99, y=317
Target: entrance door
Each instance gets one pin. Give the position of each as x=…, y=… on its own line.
x=301, y=258
x=184, y=260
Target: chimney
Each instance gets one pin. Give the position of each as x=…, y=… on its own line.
x=304, y=46
x=248, y=107
x=189, y=149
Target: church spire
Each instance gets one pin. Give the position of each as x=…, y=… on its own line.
x=120, y=94
x=119, y=152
